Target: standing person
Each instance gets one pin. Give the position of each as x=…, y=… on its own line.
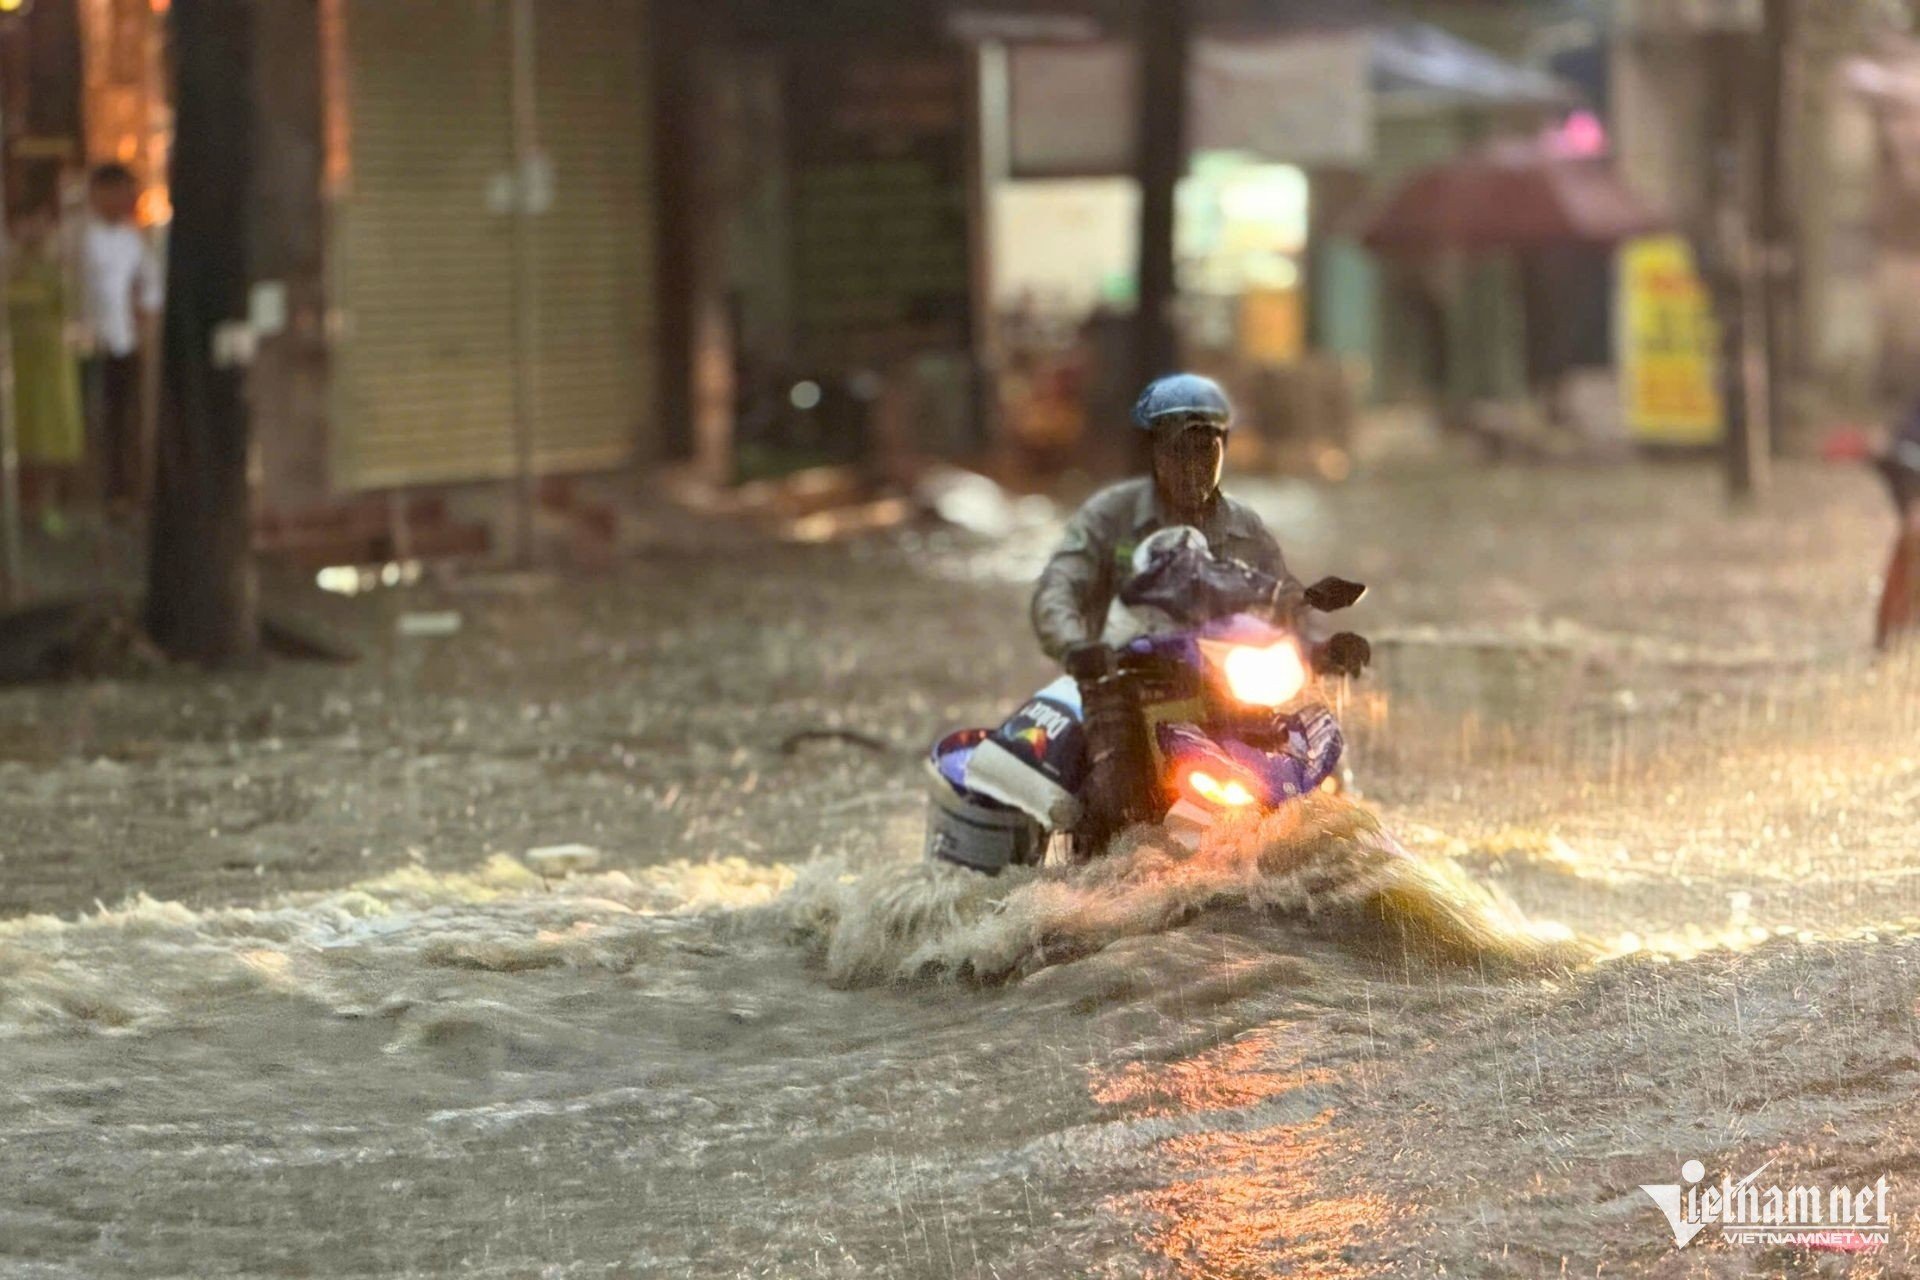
x=1899, y=615
x=46, y=386
x=121, y=290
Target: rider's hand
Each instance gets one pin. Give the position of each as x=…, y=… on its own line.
x=1088, y=659
x=1345, y=654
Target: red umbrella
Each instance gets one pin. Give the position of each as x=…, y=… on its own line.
x=1510, y=197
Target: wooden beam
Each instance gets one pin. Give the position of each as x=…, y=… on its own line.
x=1163, y=37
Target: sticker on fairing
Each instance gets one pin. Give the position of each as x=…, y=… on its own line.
x=1046, y=734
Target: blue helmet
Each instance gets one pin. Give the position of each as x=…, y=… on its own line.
x=1182, y=393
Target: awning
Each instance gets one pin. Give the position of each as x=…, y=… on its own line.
x=1289, y=99
x=1418, y=62
x=1510, y=196
x=1888, y=80
x=1307, y=97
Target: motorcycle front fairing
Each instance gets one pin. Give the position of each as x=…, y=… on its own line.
x=1246, y=754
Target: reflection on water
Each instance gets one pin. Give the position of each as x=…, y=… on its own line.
x=1692, y=940
x=1248, y=1205
x=1240, y=1074
x=1252, y=1182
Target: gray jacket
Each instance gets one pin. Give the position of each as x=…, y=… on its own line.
x=1096, y=554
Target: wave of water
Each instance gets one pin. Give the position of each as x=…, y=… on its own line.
x=141, y=963
x=1323, y=856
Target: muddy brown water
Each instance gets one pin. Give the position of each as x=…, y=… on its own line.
x=280, y=994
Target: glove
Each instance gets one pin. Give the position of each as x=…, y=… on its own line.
x=1345, y=654
x=1087, y=660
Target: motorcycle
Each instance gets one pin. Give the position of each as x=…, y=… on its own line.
x=1212, y=709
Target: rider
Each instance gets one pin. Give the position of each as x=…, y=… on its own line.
x=1044, y=768
x=1188, y=416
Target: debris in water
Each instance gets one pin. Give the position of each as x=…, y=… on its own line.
x=419, y=625
x=793, y=741
x=563, y=859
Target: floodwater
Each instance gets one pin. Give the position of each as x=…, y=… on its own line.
x=1631, y=880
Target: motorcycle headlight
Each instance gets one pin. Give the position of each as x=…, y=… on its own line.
x=1268, y=677
x=1227, y=793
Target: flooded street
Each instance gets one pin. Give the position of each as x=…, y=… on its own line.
x=282, y=995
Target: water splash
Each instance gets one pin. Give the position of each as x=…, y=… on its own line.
x=140, y=963
x=1324, y=855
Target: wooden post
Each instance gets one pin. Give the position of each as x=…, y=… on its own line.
x=202, y=593
x=1771, y=215
x=712, y=359
x=674, y=41
x=12, y=590
x=987, y=120
x=1162, y=161
x=524, y=108
x=1733, y=271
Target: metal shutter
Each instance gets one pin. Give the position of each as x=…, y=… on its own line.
x=423, y=265
x=594, y=376
x=423, y=373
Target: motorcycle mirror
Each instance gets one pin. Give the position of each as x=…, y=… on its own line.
x=1330, y=594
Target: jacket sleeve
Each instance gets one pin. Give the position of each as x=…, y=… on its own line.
x=1073, y=585
x=1263, y=553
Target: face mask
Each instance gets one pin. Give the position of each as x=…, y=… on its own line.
x=1187, y=461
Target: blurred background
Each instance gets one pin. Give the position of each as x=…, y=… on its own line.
x=509, y=265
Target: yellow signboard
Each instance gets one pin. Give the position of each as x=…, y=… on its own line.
x=1669, y=345
x=1271, y=326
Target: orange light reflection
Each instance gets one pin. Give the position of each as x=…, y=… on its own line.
x=1276, y=1200
x=1233, y=1075
x=1260, y=1204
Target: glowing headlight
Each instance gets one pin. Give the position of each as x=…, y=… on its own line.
x=1265, y=677
x=1231, y=794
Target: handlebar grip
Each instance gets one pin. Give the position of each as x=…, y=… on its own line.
x=1089, y=661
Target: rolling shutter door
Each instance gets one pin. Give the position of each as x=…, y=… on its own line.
x=423, y=372
x=594, y=386
x=423, y=251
